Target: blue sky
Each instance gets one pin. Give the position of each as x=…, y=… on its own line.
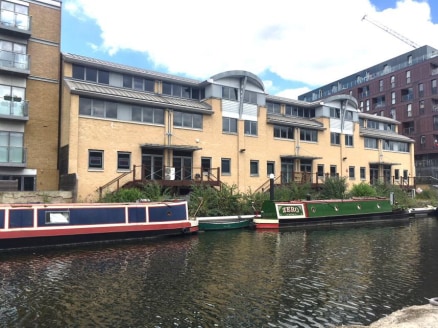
x=293, y=46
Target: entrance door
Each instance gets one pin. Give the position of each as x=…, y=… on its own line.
x=183, y=167
x=374, y=174
x=287, y=169
x=152, y=167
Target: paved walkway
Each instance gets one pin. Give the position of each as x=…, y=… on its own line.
x=418, y=316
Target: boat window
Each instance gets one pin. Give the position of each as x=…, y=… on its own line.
x=57, y=217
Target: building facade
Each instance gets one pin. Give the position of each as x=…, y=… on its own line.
x=403, y=88
x=121, y=124
x=29, y=90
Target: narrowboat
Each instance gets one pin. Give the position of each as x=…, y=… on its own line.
x=32, y=225
x=276, y=214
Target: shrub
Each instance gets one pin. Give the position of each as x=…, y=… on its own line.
x=362, y=189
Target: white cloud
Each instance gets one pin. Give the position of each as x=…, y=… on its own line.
x=312, y=41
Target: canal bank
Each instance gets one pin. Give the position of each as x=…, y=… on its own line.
x=417, y=316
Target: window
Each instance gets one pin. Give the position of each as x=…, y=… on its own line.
x=335, y=112
x=273, y=108
x=349, y=140
x=370, y=143
x=395, y=146
x=335, y=138
x=95, y=159
x=392, y=114
x=187, y=120
x=421, y=106
x=397, y=174
x=367, y=102
x=410, y=59
x=409, y=110
x=435, y=122
x=434, y=87
x=351, y=172
x=320, y=169
x=250, y=128
x=381, y=85
x=178, y=90
x=229, y=93
x=147, y=115
x=283, y=132
x=12, y=101
x=421, y=90
x=362, y=173
x=299, y=111
x=254, y=168
x=90, y=74
x=270, y=168
x=392, y=81
x=393, y=100
x=250, y=97
x=229, y=125
x=333, y=171
x=408, y=77
x=372, y=124
x=226, y=166
x=123, y=160
x=16, y=15
x=308, y=135
x=11, y=147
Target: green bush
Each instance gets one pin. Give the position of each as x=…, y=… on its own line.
x=363, y=189
x=334, y=188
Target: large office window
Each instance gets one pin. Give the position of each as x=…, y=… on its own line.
x=187, y=120
x=229, y=93
x=335, y=138
x=370, y=143
x=251, y=128
x=308, y=135
x=273, y=108
x=229, y=125
x=90, y=74
x=250, y=97
x=11, y=147
x=283, y=132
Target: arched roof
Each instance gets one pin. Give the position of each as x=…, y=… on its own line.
x=239, y=74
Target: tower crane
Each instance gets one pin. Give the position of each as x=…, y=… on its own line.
x=392, y=32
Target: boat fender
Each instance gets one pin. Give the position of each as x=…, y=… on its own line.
x=185, y=230
x=433, y=301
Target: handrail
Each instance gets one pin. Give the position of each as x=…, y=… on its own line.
x=117, y=179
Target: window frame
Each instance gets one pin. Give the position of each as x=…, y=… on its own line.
x=95, y=154
x=123, y=156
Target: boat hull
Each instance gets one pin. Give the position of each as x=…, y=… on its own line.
x=206, y=225
x=23, y=225
x=279, y=214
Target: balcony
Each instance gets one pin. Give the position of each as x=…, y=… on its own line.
x=15, y=24
x=14, y=108
x=14, y=63
x=12, y=156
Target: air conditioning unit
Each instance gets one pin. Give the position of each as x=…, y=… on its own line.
x=169, y=173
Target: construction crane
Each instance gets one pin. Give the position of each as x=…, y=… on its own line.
x=392, y=32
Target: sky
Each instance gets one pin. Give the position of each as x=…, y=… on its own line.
x=293, y=46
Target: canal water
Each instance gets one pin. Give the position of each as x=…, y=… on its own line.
x=301, y=277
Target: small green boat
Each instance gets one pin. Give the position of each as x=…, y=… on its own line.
x=224, y=224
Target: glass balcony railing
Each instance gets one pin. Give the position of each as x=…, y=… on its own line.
x=14, y=106
x=12, y=156
x=9, y=59
x=14, y=20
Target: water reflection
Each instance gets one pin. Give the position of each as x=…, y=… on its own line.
x=314, y=277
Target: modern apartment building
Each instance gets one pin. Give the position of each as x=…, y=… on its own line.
x=121, y=124
x=402, y=88
x=29, y=90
